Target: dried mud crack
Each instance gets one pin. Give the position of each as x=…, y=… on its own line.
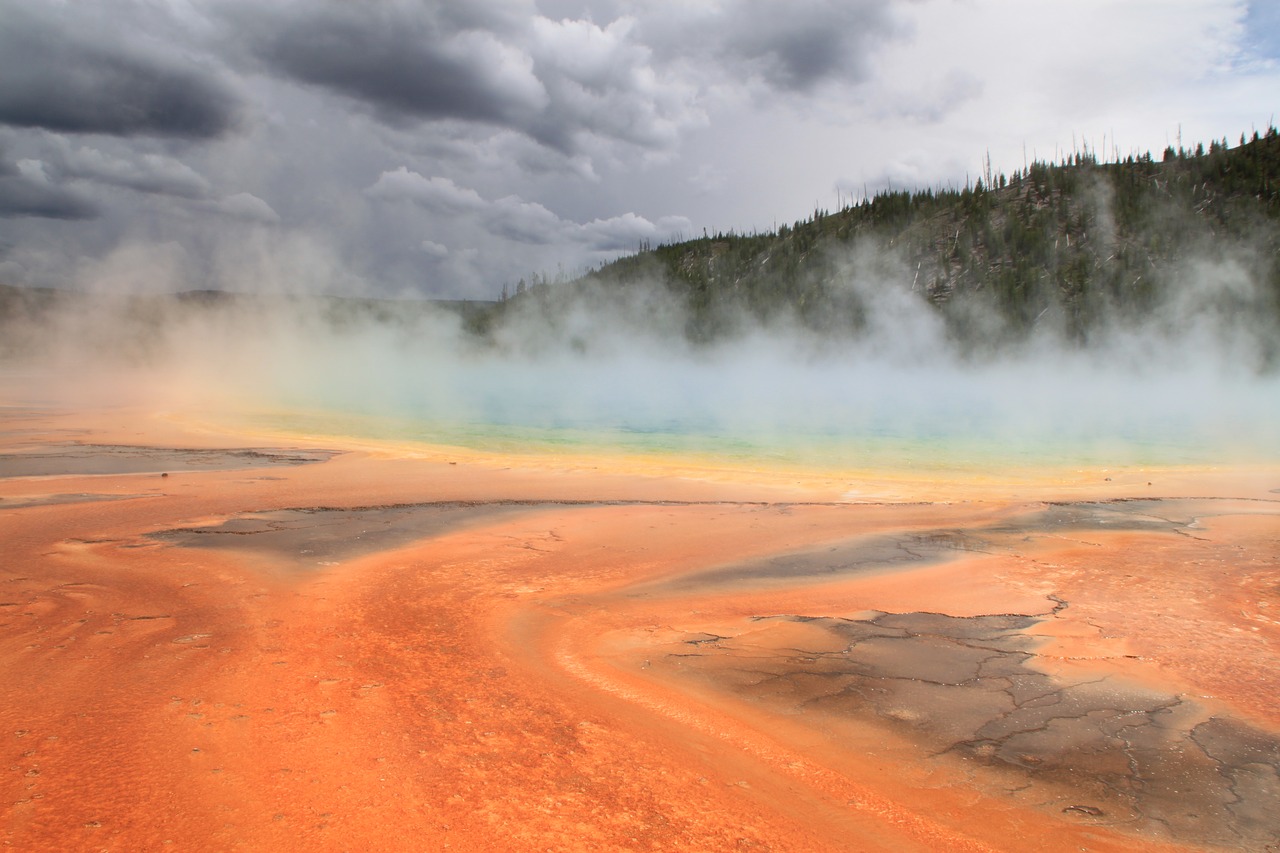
x=1100, y=750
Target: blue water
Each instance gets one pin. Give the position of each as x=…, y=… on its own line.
x=830, y=416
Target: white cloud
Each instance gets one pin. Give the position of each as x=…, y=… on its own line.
x=33, y=170
x=605, y=84
x=519, y=220
x=434, y=249
x=528, y=222
x=435, y=193
x=623, y=233
x=248, y=207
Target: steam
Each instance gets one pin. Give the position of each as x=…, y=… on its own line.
x=612, y=367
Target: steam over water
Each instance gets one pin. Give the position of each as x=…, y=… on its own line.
x=620, y=377
x=831, y=414
x=765, y=401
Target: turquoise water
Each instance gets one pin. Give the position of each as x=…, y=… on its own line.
x=918, y=438
x=761, y=410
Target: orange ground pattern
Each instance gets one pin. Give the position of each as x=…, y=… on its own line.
x=206, y=649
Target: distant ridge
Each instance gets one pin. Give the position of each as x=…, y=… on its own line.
x=11, y=296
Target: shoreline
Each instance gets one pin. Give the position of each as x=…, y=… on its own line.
x=403, y=643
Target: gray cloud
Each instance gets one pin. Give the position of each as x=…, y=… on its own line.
x=145, y=173
x=516, y=219
x=434, y=193
x=246, y=206
x=510, y=217
x=62, y=71
x=433, y=249
x=446, y=147
x=560, y=83
x=789, y=47
x=935, y=101
x=603, y=82
x=22, y=196
x=405, y=62
x=798, y=45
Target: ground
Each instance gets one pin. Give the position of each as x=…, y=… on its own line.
x=221, y=641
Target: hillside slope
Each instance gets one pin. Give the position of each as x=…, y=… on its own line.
x=1070, y=248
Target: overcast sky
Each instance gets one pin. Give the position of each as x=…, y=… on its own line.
x=447, y=148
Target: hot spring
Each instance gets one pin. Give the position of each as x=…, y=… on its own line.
x=745, y=410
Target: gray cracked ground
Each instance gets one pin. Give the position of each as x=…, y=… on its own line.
x=76, y=459
x=305, y=538
x=1098, y=750
x=965, y=687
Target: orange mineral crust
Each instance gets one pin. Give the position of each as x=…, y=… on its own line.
x=234, y=642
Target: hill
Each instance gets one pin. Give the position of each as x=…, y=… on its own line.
x=1072, y=248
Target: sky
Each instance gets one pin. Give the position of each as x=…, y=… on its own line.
x=447, y=149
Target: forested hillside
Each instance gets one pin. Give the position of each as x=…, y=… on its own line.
x=1073, y=245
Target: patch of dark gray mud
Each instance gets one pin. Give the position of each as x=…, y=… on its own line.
x=25, y=501
x=77, y=459
x=1094, y=748
x=320, y=536
x=880, y=552
x=914, y=548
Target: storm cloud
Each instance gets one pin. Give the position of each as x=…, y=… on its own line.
x=145, y=173
x=22, y=196
x=400, y=60
x=554, y=81
x=448, y=149
x=61, y=71
x=785, y=46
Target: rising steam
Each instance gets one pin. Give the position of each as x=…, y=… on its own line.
x=613, y=366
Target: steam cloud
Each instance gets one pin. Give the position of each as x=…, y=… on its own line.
x=1194, y=381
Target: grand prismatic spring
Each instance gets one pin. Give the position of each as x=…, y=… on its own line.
x=579, y=426
x=969, y=620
